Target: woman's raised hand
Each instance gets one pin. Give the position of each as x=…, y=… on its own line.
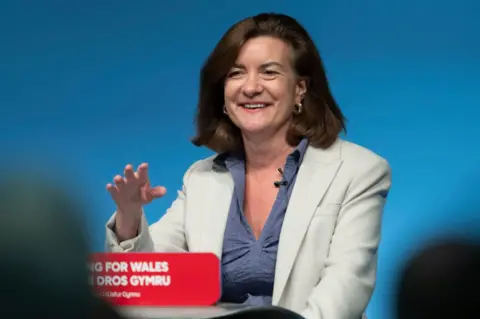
x=130, y=193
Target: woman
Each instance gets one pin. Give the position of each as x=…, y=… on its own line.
x=292, y=210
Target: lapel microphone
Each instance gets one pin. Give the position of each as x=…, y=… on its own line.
x=283, y=182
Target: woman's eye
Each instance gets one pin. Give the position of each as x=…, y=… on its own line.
x=270, y=72
x=233, y=74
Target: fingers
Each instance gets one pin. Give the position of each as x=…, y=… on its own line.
x=129, y=173
x=142, y=173
x=131, y=176
x=119, y=181
x=154, y=193
x=112, y=189
x=157, y=191
x=134, y=181
x=141, y=176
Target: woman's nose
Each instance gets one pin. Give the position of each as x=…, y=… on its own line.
x=252, y=86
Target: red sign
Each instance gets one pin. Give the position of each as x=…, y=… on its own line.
x=156, y=279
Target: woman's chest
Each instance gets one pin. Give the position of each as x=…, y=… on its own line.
x=258, y=204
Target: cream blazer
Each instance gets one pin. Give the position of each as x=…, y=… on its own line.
x=327, y=255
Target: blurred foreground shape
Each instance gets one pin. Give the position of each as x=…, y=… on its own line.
x=441, y=281
x=44, y=251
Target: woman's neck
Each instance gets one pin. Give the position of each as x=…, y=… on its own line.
x=266, y=153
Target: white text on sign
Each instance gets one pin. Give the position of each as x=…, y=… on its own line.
x=133, y=266
x=150, y=267
x=123, y=281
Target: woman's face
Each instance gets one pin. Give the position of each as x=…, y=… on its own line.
x=262, y=88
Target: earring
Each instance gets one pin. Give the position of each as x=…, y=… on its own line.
x=225, y=110
x=297, y=109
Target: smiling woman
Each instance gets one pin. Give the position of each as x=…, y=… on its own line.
x=262, y=89
x=292, y=211
x=266, y=60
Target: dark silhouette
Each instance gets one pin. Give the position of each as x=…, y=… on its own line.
x=43, y=272
x=441, y=281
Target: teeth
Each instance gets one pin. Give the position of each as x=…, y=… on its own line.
x=253, y=106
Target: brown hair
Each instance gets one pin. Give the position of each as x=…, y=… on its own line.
x=321, y=120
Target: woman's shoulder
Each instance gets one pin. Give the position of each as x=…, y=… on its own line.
x=346, y=151
x=203, y=169
x=356, y=159
x=359, y=160
x=208, y=164
x=350, y=151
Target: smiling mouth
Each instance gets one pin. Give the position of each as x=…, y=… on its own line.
x=254, y=106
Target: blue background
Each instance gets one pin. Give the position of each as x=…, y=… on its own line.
x=88, y=86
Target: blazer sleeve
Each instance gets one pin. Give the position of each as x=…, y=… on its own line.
x=348, y=279
x=165, y=235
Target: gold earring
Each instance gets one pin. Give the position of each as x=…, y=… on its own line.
x=298, y=108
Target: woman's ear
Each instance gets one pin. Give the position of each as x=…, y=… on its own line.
x=300, y=90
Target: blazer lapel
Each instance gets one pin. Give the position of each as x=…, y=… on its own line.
x=215, y=208
x=315, y=175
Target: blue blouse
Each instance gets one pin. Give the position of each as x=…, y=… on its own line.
x=248, y=264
